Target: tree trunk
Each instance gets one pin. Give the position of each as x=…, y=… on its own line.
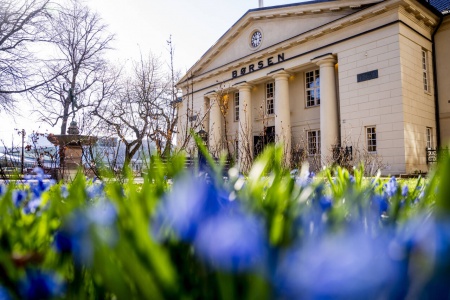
x=65, y=117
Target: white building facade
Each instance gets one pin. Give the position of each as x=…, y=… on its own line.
x=326, y=75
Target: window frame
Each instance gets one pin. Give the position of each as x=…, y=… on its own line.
x=270, y=100
x=310, y=135
x=371, y=139
x=429, y=137
x=236, y=102
x=315, y=89
x=425, y=75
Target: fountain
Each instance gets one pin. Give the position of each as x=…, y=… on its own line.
x=71, y=150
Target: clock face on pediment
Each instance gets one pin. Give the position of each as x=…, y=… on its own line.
x=256, y=39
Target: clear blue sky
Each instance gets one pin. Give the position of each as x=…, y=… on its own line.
x=145, y=25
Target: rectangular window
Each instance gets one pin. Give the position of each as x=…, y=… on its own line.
x=371, y=139
x=313, y=142
x=426, y=85
x=429, y=138
x=312, y=81
x=270, y=95
x=236, y=106
x=236, y=151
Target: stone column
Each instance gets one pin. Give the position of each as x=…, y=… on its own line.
x=215, y=124
x=205, y=114
x=245, y=126
x=329, y=123
x=283, y=112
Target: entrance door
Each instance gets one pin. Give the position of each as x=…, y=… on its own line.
x=261, y=141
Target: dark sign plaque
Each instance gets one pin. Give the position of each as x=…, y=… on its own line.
x=367, y=76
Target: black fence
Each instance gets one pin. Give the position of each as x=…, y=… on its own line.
x=198, y=164
x=434, y=154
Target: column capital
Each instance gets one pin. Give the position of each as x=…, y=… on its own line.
x=281, y=74
x=326, y=60
x=244, y=86
x=211, y=95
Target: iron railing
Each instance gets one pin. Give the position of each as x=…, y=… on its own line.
x=435, y=154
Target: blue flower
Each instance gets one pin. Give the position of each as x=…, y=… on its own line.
x=74, y=237
x=191, y=202
x=391, y=187
x=325, y=203
x=232, y=241
x=95, y=191
x=41, y=285
x=64, y=191
x=38, y=187
x=405, y=190
x=102, y=213
x=4, y=294
x=32, y=205
x=305, y=177
x=18, y=197
x=426, y=244
x=2, y=189
x=39, y=172
x=380, y=204
x=63, y=242
x=352, y=179
x=345, y=266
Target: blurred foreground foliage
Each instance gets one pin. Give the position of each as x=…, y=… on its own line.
x=275, y=234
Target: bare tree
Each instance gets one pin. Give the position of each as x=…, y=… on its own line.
x=165, y=117
x=132, y=112
x=22, y=24
x=190, y=120
x=80, y=39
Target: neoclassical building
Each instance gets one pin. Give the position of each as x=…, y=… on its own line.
x=369, y=76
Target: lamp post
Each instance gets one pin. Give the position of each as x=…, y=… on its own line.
x=22, y=157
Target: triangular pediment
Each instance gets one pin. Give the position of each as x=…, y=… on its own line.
x=276, y=25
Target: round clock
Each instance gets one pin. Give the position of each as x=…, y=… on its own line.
x=256, y=39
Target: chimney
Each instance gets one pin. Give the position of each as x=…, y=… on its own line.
x=261, y=4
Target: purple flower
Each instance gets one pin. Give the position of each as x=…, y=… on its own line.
x=232, y=241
